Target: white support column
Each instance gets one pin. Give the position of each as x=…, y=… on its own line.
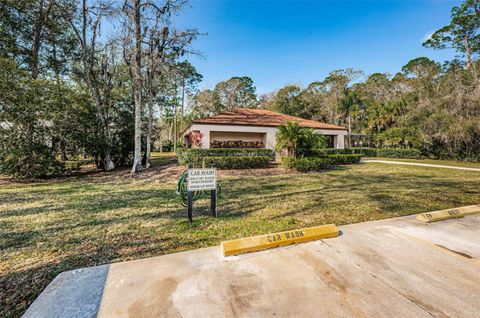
x=205, y=138
x=339, y=141
x=270, y=139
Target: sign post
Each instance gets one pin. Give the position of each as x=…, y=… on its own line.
x=213, y=195
x=202, y=180
x=190, y=206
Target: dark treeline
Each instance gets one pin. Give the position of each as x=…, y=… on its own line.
x=427, y=105
x=88, y=79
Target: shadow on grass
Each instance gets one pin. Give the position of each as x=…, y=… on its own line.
x=386, y=202
x=384, y=193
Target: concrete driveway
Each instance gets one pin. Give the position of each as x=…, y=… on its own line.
x=391, y=268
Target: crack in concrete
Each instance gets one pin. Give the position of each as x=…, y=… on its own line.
x=456, y=252
x=379, y=279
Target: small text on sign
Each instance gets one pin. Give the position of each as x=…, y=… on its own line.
x=202, y=179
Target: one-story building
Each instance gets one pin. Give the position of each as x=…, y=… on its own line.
x=252, y=128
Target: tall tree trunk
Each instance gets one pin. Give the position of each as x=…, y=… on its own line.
x=175, y=110
x=62, y=145
x=468, y=53
x=41, y=17
x=150, y=76
x=183, y=103
x=175, y=131
x=37, y=33
x=137, y=155
x=149, y=135
x=106, y=159
x=103, y=160
x=63, y=150
x=149, y=80
x=349, y=132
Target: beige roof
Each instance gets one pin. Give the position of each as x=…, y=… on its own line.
x=261, y=117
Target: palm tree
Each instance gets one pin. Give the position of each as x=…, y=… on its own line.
x=298, y=139
x=350, y=106
x=288, y=136
x=310, y=139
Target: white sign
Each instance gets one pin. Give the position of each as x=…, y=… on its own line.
x=202, y=179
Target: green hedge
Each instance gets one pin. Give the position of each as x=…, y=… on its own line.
x=399, y=153
x=320, y=163
x=365, y=152
x=323, y=152
x=307, y=164
x=344, y=159
x=195, y=156
x=237, y=162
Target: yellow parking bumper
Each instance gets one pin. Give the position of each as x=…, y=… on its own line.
x=262, y=242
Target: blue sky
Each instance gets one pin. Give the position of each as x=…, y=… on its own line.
x=298, y=42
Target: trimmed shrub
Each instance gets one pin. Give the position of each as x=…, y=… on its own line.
x=237, y=162
x=399, y=153
x=195, y=156
x=320, y=163
x=25, y=161
x=323, y=152
x=344, y=159
x=288, y=162
x=307, y=164
x=365, y=152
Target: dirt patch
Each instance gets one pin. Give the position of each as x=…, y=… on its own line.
x=243, y=294
x=159, y=302
x=165, y=171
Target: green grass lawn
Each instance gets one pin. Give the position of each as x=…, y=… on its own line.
x=454, y=163
x=158, y=154
x=54, y=226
